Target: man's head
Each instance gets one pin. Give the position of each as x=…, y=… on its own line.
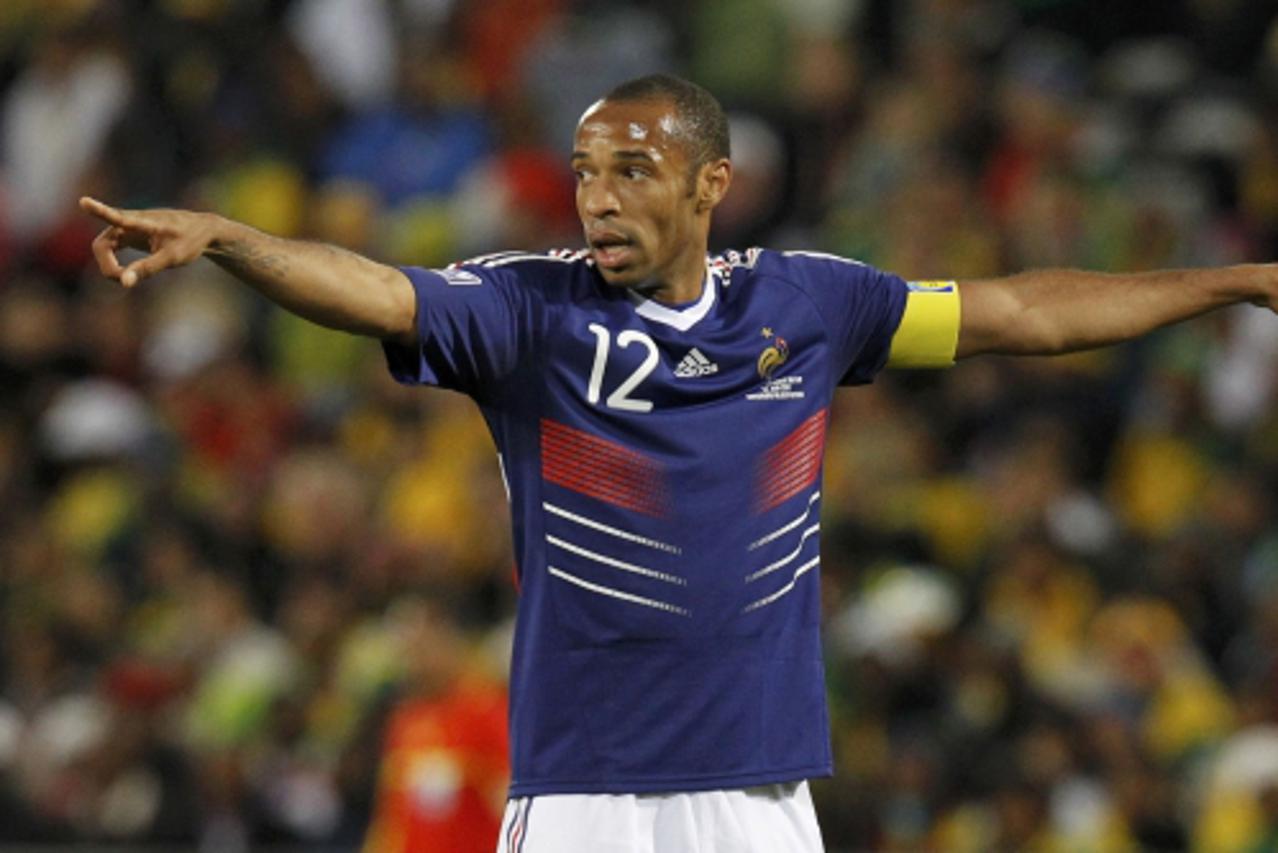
x=701, y=125
x=651, y=159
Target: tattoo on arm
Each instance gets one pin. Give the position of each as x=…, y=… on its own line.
x=243, y=259
x=319, y=282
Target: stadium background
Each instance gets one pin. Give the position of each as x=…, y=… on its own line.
x=1051, y=585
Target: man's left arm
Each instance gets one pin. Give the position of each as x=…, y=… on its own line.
x=1047, y=312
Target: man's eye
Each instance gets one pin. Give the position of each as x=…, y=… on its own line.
x=636, y=172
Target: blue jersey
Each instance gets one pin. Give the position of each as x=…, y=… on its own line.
x=664, y=467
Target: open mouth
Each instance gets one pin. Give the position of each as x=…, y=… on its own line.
x=611, y=250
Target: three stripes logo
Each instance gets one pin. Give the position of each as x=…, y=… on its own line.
x=695, y=364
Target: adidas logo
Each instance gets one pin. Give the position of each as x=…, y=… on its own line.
x=695, y=364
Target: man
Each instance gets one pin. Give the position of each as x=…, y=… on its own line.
x=660, y=417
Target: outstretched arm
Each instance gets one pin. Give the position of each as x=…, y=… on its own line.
x=324, y=284
x=1057, y=311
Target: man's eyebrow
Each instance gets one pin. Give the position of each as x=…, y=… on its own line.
x=633, y=155
x=629, y=154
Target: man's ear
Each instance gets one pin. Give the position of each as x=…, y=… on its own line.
x=713, y=179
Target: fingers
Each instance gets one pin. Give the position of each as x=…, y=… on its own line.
x=136, y=226
x=105, y=212
x=172, y=237
x=147, y=266
x=104, y=248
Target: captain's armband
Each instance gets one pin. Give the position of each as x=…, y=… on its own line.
x=928, y=333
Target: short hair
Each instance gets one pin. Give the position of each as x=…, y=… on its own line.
x=703, y=123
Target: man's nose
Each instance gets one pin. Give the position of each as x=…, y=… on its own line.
x=598, y=200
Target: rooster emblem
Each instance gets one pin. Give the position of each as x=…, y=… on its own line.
x=773, y=357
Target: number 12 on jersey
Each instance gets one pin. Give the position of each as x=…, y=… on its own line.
x=620, y=398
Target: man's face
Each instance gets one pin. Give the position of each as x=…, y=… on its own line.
x=635, y=191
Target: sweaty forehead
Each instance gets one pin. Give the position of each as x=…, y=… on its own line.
x=646, y=124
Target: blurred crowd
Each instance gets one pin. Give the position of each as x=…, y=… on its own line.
x=232, y=549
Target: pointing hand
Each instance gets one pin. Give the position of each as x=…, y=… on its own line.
x=170, y=237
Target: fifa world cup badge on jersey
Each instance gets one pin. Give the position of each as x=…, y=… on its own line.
x=775, y=354
x=460, y=278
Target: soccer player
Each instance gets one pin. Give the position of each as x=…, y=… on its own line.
x=660, y=416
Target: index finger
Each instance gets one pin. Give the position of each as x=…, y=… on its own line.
x=105, y=212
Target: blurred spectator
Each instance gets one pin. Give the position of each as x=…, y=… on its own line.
x=444, y=772
x=422, y=143
x=577, y=56
x=56, y=117
x=351, y=45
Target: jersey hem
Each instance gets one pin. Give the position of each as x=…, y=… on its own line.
x=673, y=785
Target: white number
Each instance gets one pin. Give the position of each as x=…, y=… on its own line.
x=621, y=399
x=602, y=339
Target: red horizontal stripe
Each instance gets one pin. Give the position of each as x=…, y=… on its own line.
x=601, y=469
x=802, y=457
x=795, y=440
x=590, y=489
x=616, y=467
x=618, y=462
x=583, y=475
x=810, y=423
x=801, y=451
x=785, y=491
x=810, y=458
x=774, y=501
x=792, y=464
x=626, y=479
x=585, y=440
x=611, y=467
x=796, y=473
x=788, y=486
x=813, y=422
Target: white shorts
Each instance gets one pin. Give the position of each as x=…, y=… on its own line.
x=766, y=819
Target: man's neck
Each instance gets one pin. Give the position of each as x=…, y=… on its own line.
x=683, y=286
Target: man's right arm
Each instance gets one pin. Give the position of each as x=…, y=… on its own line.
x=322, y=283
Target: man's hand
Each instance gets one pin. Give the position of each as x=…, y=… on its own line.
x=171, y=237
x=322, y=283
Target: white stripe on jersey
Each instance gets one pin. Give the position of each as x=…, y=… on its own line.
x=480, y=260
x=768, y=599
x=772, y=567
x=614, y=562
x=611, y=531
x=788, y=527
x=505, y=481
x=616, y=593
x=824, y=256
x=501, y=262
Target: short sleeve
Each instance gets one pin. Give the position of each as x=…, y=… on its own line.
x=860, y=306
x=474, y=324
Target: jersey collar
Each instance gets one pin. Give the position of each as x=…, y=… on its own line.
x=683, y=318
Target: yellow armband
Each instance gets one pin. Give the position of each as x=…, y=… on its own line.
x=928, y=334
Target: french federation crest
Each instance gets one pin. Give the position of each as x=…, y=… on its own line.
x=772, y=356
x=775, y=354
